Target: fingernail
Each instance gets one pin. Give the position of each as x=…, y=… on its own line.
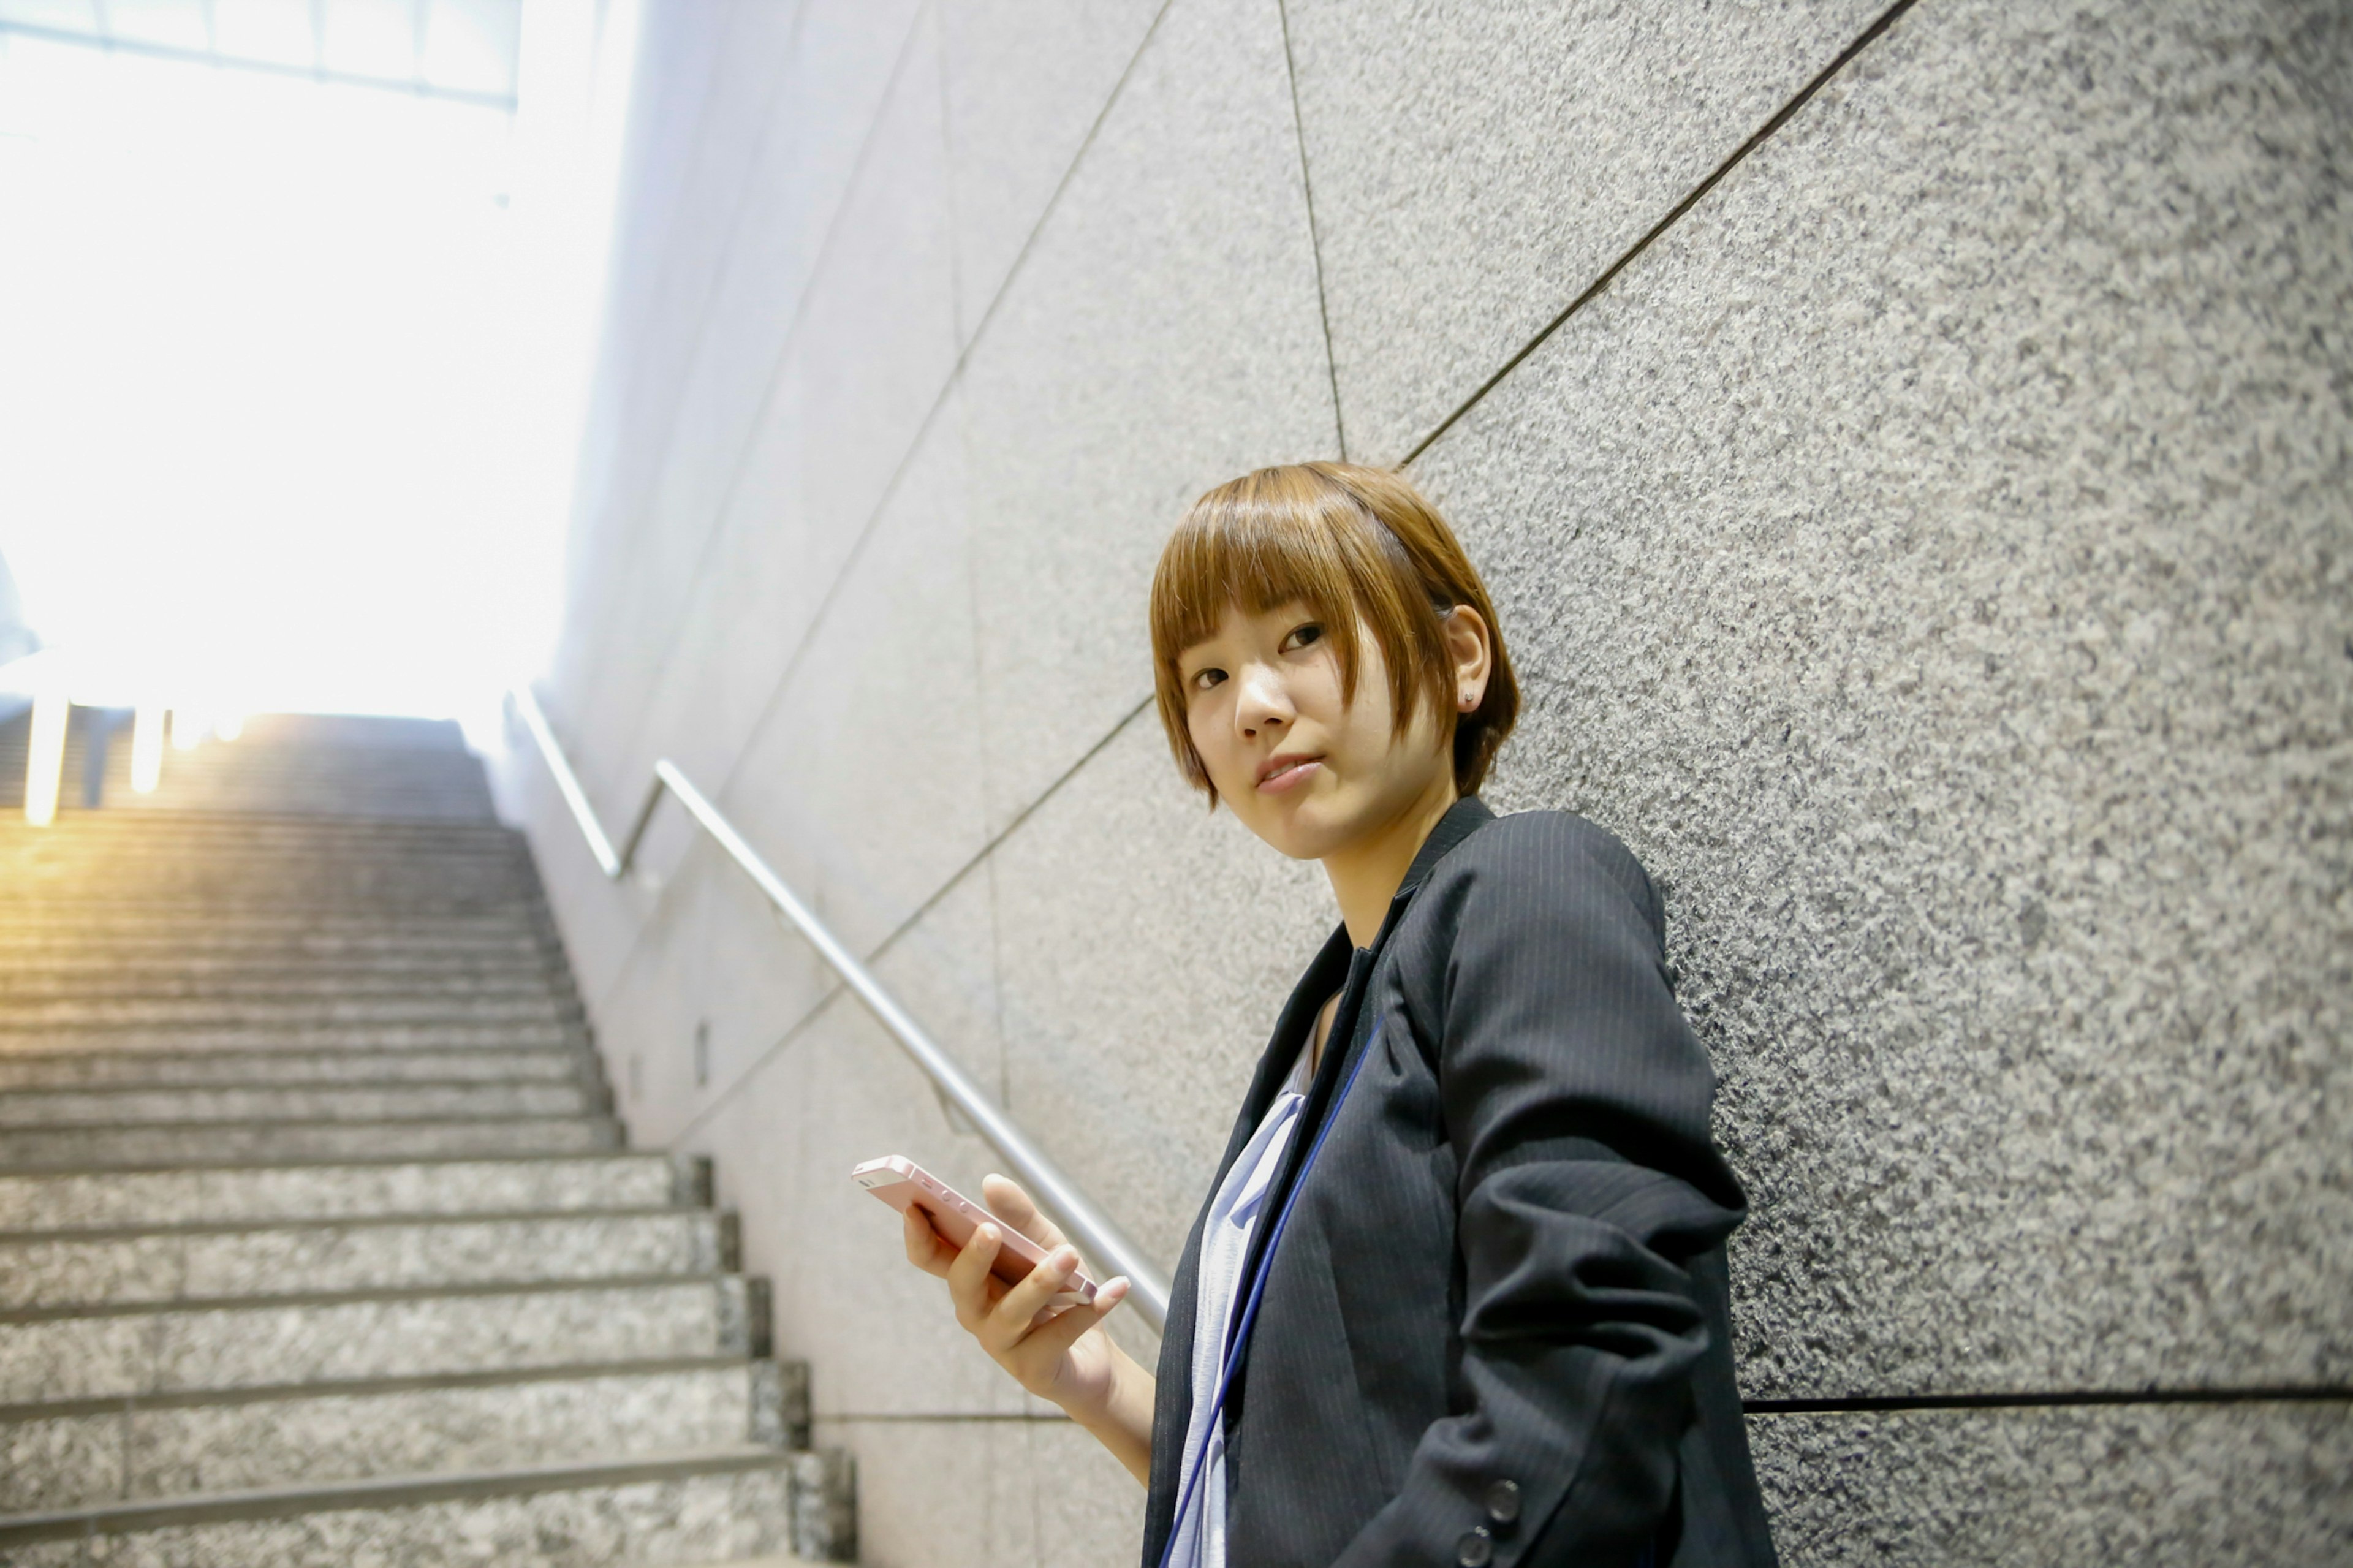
x=986, y=1233
x=1066, y=1259
x=1113, y=1291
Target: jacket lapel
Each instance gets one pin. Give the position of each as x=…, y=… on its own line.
x=1337, y=966
x=1461, y=820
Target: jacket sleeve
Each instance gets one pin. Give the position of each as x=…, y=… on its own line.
x=1576, y=1099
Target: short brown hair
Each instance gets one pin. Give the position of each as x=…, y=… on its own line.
x=1348, y=542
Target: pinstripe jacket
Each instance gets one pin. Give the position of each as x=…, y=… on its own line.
x=1496, y=1331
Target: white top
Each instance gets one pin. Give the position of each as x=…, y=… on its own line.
x=1225, y=1242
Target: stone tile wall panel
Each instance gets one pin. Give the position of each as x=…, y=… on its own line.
x=840, y=1092
x=867, y=758
x=1928, y=554
x=1476, y=168
x=858, y=385
x=2236, y=1486
x=676, y=478
x=1931, y=556
x=678, y=52
x=825, y=94
x=1161, y=334
x=1024, y=87
x=709, y=962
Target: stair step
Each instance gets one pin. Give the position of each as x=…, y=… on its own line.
x=281, y=1257
x=365, y=1100
x=77, y=1199
x=99, y=1352
x=203, y=926
x=317, y=1244
x=659, y=1512
x=556, y=1064
x=21, y=983
x=446, y=878
x=423, y=953
x=189, y=929
x=96, y=1452
x=56, y=1038
x=296, y=1011
x=245, y=1142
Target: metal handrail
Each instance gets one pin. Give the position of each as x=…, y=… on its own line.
x=1083, y=1222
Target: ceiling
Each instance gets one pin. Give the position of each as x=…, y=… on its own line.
x=462, y=50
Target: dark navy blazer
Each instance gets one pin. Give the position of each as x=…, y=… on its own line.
x=1497, y=1327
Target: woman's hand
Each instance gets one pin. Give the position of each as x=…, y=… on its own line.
x=1061, y=1355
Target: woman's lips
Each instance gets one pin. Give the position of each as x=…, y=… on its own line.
x=1290, y=776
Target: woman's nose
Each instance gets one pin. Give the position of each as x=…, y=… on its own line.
x=1261, y=707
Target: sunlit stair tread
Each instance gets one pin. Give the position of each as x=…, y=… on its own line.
x=192, y=1143
x=90, y=1351
x=280, y=1036
x=297, y=1011
x=160, y=1264
x=28, y=1070
x=80, y=1453
x=25, y=983
x=326, y=1188
x=255, y=1100
x=406, y=1518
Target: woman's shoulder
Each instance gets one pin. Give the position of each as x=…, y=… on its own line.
x=1534, y=859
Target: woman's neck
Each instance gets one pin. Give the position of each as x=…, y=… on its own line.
x=1366, y=874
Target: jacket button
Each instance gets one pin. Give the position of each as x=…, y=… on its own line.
x=1476, y=1549
x=1503, y=1502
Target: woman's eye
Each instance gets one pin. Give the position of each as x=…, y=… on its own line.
x=1304, y=636
x=1205, y=679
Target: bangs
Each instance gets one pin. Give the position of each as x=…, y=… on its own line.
x=1251, y=554
x=1294, y=535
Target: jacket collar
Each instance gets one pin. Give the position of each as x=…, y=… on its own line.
x=1333, y=967
x=1463, y=818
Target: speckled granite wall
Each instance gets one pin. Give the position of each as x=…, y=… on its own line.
x=1910, y=448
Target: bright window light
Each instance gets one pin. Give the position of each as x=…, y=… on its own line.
x=147, y=750
x=371, y=38
x=291, y=373
x=174, y=23
x=45, y=758
x=275, y=30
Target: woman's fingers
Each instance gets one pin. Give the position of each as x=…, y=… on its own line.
x=926, y=1248
x=1006, y=1199
x=1016, y=1313
x=1057, y=1334
x=967, y=1276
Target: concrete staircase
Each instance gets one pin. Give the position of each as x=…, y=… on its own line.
x=319, y=1243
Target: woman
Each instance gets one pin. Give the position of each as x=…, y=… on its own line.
x=1459, y=1292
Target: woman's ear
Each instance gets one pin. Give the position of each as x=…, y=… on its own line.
x=1471, y=650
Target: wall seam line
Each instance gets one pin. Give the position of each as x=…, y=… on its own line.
x=1600, y=285
x=2045, y=1400
x=1029, y=241
x=1315, y=236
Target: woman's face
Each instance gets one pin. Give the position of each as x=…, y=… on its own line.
x=1304, y=769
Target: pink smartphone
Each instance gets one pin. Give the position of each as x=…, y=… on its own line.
x=900, y=1181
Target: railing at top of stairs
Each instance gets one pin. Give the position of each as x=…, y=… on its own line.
x=1081, y=1221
